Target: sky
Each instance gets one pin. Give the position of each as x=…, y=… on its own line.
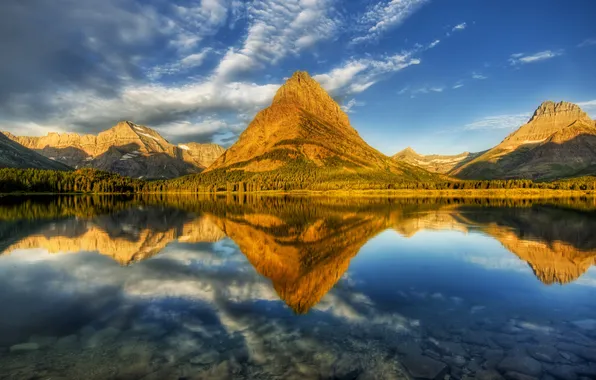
x=440, y=76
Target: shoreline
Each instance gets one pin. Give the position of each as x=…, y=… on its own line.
x=406, y=193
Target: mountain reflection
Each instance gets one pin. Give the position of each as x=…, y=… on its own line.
x=302, y=245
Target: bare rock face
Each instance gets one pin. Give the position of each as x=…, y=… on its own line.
x=547, y=120
x=127, y=148
x=304, y=92
x=558, y=141
x=305, y=126
x=434, y=163
x=14, y=155
x=201, y=155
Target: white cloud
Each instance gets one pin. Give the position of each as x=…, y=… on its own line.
x=478, y=76
x=433, y=44
x=420, y=90
x=26, y=128
x=457, y=85
x=205, y=127
x=461, y=26
x=342, y=76
x=196, y=21
x=498, y=122
x=356, y=76
x=278, y=28
x=587, y=104
x=587, y=42
x=385, y=16
x=348, y=107
x=187, y=62
x=520, y=58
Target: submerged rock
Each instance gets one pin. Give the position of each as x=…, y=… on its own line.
x=584, y=352
x=101, y=337
x=43, y=341
x=490, y=374
x=451, y=348
x=493, y=358
x=546, y=354
x=586, y=324
x=24, y=347
x=520, y=363
x=206, y=358
x=67, y=342
x=588, y=370
x=565, y=372
x=408, y=347
x=423, y=367
x=512, y=375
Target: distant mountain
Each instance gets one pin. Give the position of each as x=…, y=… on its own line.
x=127, y=148
x=201, y=155
x=14, y=155
x=435, y=163
x=558, y=141
x=305, y=131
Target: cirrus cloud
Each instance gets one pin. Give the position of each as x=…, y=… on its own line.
x=521, y=58
x=498, y=122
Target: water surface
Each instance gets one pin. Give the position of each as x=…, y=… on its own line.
x=296, y=288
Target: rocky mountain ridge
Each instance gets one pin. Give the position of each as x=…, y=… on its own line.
x=14, y=155
x=127, y=148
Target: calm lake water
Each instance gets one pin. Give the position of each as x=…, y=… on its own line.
x=297, y=288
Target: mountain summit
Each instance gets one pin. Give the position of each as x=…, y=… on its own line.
x=303, y=91
x=305, y=131
x=549, y=118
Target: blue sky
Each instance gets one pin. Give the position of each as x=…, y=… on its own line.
x=440, y=76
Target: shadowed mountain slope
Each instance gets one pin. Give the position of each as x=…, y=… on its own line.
x=14, y=155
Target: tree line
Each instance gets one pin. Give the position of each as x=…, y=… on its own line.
x=94, y=182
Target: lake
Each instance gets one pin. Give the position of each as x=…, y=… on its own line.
x=247, y=287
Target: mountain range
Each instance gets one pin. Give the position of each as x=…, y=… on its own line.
x=303, y=136
x=127, y=149
x=558, y=141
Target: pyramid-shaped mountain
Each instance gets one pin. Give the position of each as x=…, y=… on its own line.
x=558, y=141
x=304, y=128
x=127, y=148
